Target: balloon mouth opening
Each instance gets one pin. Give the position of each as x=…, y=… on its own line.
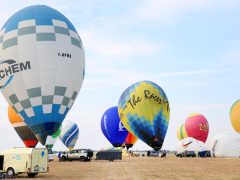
x=156, y=144
x=30, y=143
x=117, y=145
x=42, y=137
x=129, y=146
x=157, y=148
x=42, y=131
x=49, y=146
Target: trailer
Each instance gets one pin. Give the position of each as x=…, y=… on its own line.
x=109, y=155
x=23, y=160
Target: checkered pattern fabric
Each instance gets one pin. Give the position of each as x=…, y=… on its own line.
x=36, y=99
x=40, y=32
x=43, y=92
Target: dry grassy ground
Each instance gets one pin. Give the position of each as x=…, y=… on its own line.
x=145, y=168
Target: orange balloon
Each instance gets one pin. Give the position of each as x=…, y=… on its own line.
x=13, y=116
x=21, y=128
x=130, y=140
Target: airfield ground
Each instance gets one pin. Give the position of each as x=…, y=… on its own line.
x=145, y=168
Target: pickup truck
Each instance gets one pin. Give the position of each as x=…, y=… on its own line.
x=78, y=154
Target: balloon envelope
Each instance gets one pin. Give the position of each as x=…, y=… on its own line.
x=112, y=127
x=50, y=141
x=69, y=134
x=144, y=111
x=130, y=140
x=21, y=128
x=181, y=132
x=42, y=67
x=235, y=116
x=197, y=127
x=226, y=144
x=191, y=144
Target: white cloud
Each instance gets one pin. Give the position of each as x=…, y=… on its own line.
x=105, y=44
x=155, y=10
x=105, y=77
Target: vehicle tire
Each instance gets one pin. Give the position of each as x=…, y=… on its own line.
x=10, y=173
x=87, y=159
x=90, y=154
x=207, y=154
x=31, y=175
x=82, y=159
x=63, y=158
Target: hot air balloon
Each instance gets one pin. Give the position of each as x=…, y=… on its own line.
x=112, y=127
x=235, y=116
x=130, y=140
x=50, y=141
x=226, y=144
x=144, y=111
x=191, y=144
x=181, y=132
x=21, y=128
x=69, y=134
x=42, y=67
x=197, y=127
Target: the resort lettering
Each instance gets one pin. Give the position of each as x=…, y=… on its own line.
x=149, y=95
x=134, y=100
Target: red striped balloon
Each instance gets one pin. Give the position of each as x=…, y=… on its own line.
x=130, y=140
x=22, y=129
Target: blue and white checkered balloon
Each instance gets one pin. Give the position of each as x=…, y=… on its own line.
x=41, y=67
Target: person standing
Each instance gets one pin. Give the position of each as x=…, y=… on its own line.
x=59, y=156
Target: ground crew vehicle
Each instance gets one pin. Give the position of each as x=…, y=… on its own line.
x=109, y=155
x=186, y=154
x=153, y=153
x=23, y=160
x=78, y=154
x=204, y=154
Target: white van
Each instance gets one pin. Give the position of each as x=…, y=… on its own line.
x=24, y=160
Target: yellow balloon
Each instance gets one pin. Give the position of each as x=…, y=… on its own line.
x=144, y=111
x=181, y=132
x=235, y=116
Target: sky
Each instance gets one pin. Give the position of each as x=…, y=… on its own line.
x=189, y=48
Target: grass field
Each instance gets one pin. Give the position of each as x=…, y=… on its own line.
x=148, y=168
